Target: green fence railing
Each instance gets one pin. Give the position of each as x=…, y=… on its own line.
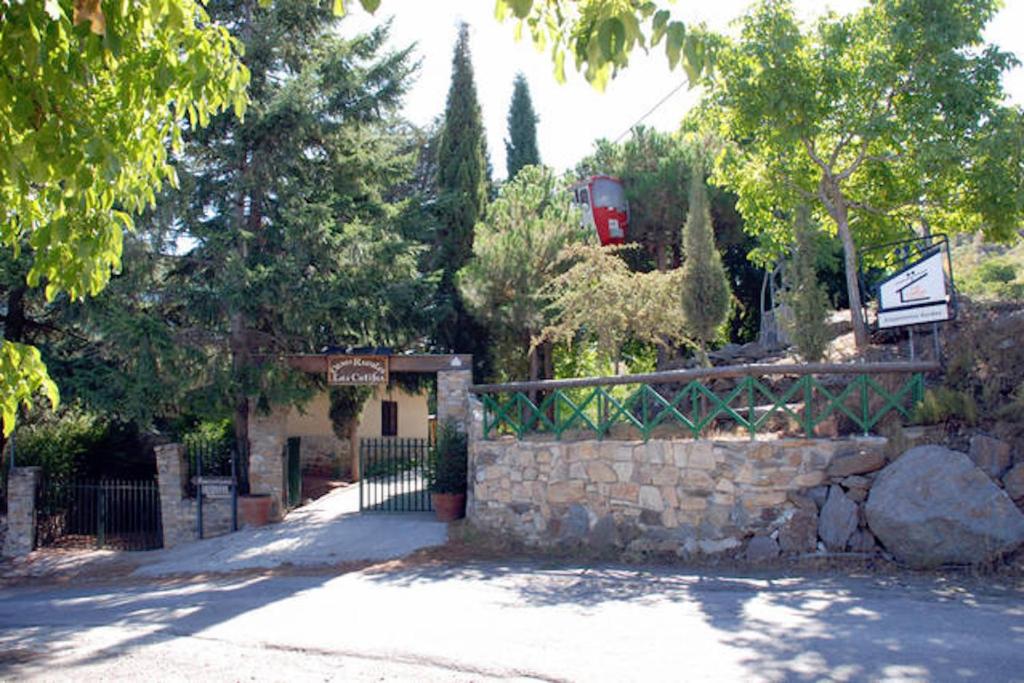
x=753, y=400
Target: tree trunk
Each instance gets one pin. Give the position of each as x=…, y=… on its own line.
x=841, y=216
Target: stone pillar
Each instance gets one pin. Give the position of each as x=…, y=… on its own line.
x=172, y=473
x=453, y=396
x=21, y=511
x=267, y=433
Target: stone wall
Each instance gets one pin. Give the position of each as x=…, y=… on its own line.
x=326, y=456
x=20, y=535
x=681, y=497
x=178, y=512
x=752, y=500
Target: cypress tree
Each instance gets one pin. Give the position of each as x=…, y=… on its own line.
x=462, y=184
x=705, y=286
x=806, y=296
x=521, y=145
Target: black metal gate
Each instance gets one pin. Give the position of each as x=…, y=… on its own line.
x=394, y=475
x=213, y=473
x=124, y=515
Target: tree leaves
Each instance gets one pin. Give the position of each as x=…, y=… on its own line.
x=22, y=376
x=91, y=96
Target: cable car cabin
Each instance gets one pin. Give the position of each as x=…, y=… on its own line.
x=605, y=209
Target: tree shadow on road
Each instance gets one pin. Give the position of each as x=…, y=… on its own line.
x=804, y=626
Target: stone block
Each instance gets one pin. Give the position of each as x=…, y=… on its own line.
x=650, y=499
x=859, y=462
x=667, y=475
x=761, y=549
x=838, y=520
x=566, y=492
x=991, y=455
x=1013, y=482
x=625, y=492
x=598, y=471
x=799, y=534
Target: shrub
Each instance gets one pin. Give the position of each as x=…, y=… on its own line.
x=807, y=299
x=449, y=460
x=60, y=444
x=941, y=405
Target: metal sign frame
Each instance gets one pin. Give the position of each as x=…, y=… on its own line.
x=905, y=256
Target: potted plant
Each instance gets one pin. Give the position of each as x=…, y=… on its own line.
x=448, y=473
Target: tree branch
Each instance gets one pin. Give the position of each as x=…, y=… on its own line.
x=852, y=168
x=809, y=146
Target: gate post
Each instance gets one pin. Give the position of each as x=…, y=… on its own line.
x=172, y=473
x=21, y=511
x=267, y=455
x=453, y=395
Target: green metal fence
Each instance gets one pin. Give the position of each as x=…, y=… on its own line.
x=751, y=399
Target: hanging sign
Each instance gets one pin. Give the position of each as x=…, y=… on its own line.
x=918, y=293
x=357, y=370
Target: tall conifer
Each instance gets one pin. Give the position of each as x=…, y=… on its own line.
x=705, y=286
x=462, y=183
x=521, y=145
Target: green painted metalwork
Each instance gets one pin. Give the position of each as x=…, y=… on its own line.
x=749, y=406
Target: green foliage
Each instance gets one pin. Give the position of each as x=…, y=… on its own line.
x=449, y=460
x=881, y=118
x=521, y=145
x=298, y=238
x=515, y=256
x=213, y=441
x=462, y=182
x=22, y=375
x=991, y=272
x=461, y=161
x=59, y=444
x=703, y=283
x=941, y=405
x=805, y=295
x=600, y=35
x=599, y=298
x=655, y=169
x=346, y=405
x=92, y=95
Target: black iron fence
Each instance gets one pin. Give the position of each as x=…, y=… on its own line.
x=118, y=514
x=394, y=474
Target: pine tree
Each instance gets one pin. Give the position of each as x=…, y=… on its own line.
x=462, y=183
x=705, y=286
x=521, y=145
x=295, y=245
x=515, y=255
x=806, y=296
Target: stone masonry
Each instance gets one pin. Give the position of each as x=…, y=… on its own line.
x=21, y=511
x=267, y=435
x=683, y=497
x=177, y=512
x=453, y=396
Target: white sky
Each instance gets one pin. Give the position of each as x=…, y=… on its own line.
x=574, y=115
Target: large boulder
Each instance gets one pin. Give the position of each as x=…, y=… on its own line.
x=933, y=506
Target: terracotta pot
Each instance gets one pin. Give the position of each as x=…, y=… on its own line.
x=448, y=506
x=254, y=509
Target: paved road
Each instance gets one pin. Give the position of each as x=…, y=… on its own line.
x=522, y=621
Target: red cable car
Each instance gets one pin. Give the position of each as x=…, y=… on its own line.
x=605, y=209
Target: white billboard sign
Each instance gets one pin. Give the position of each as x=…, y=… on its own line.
x=917, y=294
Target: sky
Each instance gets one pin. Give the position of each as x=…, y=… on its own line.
x=573, y=115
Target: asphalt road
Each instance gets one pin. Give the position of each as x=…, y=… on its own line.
x=523, y=621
